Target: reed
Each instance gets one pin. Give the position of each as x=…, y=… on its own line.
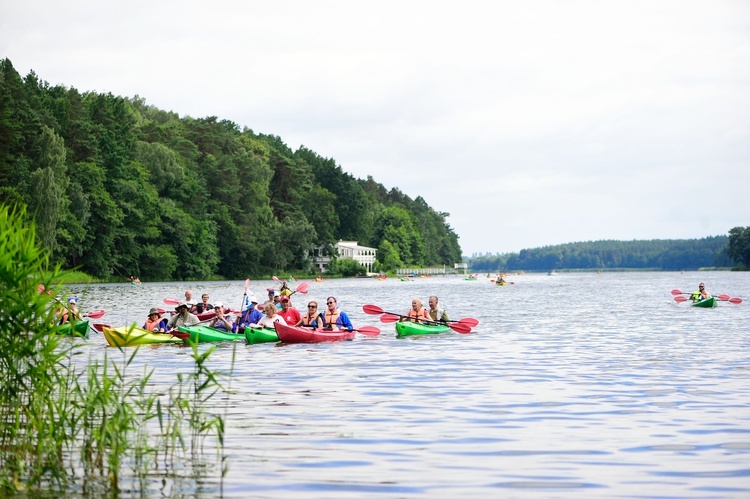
x=70, y=424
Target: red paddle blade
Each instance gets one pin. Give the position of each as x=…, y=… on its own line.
x=99, y=326
x=469, y=321
x=95, y=314
x=460, y=327
x=180, y=334
x=372, y=310
x=302, y=288
x=247, y=285
x=368, y=330
x=389, y=318
x=275, y=278
x=161, y=311
x=171, y=301
x=723, y=297
x=735, y=300
x=680, y=299
x=676, y=292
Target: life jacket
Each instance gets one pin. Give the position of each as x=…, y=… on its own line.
x=437, y=315
x=418, y=316
x=332, y=317
x=310, y=321
x=150, y=325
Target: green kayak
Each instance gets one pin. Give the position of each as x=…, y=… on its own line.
x=205, y=334
x=705, y=303
x=81, y=329
x=255, y=335
x=415, y=328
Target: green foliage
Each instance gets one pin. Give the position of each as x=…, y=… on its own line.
x=739, y=245
x=66, y=427
x=346, y=268
x=116, y=186
x=677, y=254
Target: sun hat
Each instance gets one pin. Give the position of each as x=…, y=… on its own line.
x=218, y=304
x=153, y=311
x=72, y=299
x=182, y=304
x=251, y=298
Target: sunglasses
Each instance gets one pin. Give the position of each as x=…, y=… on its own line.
x=330, y=303
x=312, y=306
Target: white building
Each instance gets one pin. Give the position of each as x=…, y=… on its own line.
x=348, y=250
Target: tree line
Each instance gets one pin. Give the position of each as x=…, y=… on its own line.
x=656, y=254
x=118, y=188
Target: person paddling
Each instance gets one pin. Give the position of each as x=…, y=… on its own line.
x=155, y=323
x=271, y=316
x=223, y=321
x=71, y=312
x=251, y=314
x=313, y=318
x=436, y=314
x=183, y=317
x=700, y=294
x=417, y=313
x=290, y=314
x=334, y=316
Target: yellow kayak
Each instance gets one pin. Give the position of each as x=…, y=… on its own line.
x=126, y=336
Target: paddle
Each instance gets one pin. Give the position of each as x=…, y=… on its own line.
x=95, y=314
x=722, y=297
x=368, y=330
x=301, y=288
x=171, y=301
x=244, y=296
x=457, y=326
x=391, y=317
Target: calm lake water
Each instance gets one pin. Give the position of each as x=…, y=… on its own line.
x=576, y=385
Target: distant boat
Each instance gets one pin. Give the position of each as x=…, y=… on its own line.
x=552, y=272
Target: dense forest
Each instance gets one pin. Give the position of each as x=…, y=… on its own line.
x=659, y=254
x=118, y=188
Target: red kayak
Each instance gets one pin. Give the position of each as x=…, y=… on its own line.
x=291, y=334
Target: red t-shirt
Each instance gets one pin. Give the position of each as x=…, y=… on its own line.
x=290, y=315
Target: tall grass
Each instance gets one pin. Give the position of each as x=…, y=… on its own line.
x=69, y=424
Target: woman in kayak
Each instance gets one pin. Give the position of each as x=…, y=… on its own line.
x=417, y=313
x=222, y=321
x=271, y=316
x=155, y=323
x=313, y=318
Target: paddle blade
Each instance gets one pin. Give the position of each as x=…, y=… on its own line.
x=368, y=330
x=275, y=278
x=98, y=327
x=735, y=300
x=302, y=288
x=95, y=314
x=372, y=310
x=680, y=299
x=171, y=301
x=676, y=292
x=460, y=327
x=161, y=311
x=469, y=321
x=389, y=318
x=723, y=297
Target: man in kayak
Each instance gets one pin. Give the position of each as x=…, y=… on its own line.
x=701, y=294
x=183, y=317
x=223, y=320
x=251, y=314
x=437, y=314
x=203, y=306
x=334, y=316
x=290, y=314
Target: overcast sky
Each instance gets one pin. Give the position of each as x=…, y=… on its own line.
x=531, y=122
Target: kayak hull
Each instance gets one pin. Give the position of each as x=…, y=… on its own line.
x=125, y=337
x=705, y=303
x=417, y=329
x=292, y=334
x=205, y=334
x=80, y=329
x=254, y=335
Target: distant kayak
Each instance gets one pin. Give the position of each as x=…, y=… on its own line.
x=125, y=337
x=415, y=328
